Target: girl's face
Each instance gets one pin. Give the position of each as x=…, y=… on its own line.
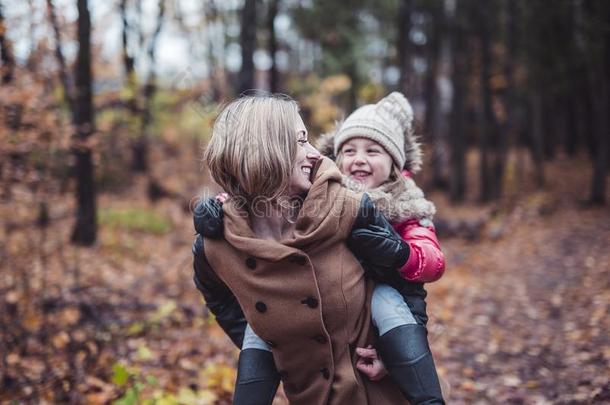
x=306, y=157
x=366, y=162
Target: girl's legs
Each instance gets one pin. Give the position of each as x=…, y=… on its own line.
x=403, y=346
x=257, y=376
x=252, y=341
x=389, y=309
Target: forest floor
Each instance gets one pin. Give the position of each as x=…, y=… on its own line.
x=521, y=316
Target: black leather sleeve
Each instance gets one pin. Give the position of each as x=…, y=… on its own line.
x=218, y=298
x=374, y=242
x=381, y=252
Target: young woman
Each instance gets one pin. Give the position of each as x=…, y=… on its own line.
x=284, y=262
x=376, y=151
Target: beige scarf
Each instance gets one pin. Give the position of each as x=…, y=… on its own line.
x=398, y=200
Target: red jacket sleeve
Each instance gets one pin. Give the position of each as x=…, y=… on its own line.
x=426, y=261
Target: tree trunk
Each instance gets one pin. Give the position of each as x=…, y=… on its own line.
x=59, y=55
x=443, y=94
x=140, y=147
x=405, y=47
x=457, y=138
x=214, y=40
x=581, y=96
x=600, y=89
x=247, y=40
x=505, y=130
x=128, y=63
x=430, y=96
x=211, y=16
x=273, y=72
x=572, y=130
x=575, y=75
x=600, y=165
x=85, y=229
x=128, y=60
x=6, y=53
x=484, y=172
x=548, y=133
x=485, y=112
x=537, y=137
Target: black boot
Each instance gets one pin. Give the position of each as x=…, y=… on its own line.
x=257, y=378
x=407, y=357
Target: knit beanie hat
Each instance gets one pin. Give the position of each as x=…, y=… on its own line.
x=390, y=124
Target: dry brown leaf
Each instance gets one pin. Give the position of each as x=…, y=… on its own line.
x=60, y=340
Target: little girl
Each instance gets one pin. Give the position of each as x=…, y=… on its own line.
x=376, y=150
x=371, y=146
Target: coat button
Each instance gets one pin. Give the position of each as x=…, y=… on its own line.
x=260, y=306
x=325, y=373
x=310, y=301
x=271, y=343
x=320, y=339
x=251, y=263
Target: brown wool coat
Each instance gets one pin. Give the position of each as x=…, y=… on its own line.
x=307, y=296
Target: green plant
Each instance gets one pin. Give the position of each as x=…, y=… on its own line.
x=134, y=219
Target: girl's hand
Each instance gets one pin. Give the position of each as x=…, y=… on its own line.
x=370, y=364
x=222, y=197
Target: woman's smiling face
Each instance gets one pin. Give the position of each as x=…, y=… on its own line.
x=305, y=159
x=365, y=161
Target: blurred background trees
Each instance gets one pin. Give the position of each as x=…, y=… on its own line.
x=105, y=107
x=515, y=81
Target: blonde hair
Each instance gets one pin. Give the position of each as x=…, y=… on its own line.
x=253, y=146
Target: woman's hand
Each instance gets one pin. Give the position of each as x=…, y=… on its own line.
x=370, y=364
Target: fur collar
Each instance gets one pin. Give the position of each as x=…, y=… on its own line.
x=399, y=200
